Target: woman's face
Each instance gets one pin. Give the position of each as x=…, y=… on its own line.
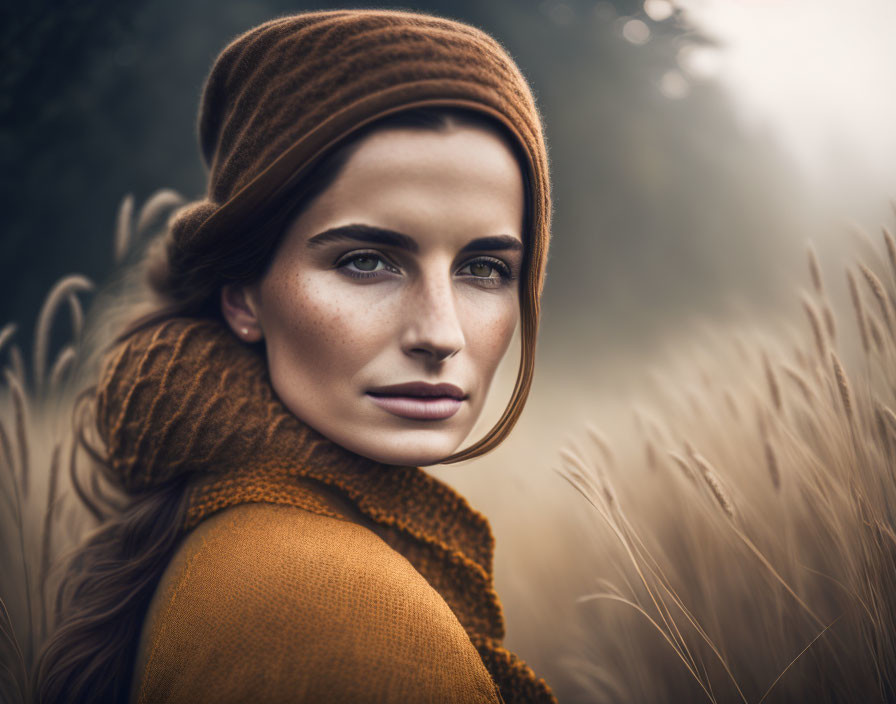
x=394, y=295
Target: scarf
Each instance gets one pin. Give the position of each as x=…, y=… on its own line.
x=185, y=399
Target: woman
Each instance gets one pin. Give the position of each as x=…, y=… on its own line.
x=330, y=317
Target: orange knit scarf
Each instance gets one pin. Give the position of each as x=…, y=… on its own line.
x=187, y=399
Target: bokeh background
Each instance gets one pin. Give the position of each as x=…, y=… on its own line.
x=696, y=147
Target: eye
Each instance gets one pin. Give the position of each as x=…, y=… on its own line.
x=487, y=271
x=364, y=264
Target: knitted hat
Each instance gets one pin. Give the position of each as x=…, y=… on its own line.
x=284, y=93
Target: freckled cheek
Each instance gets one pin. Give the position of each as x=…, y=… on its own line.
x=489, y=329
x=330, y=326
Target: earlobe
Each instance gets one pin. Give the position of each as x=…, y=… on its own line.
x=241, y=312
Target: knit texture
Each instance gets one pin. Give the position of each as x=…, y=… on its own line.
x=281, y=94
x=275, y=604
x=187, y=399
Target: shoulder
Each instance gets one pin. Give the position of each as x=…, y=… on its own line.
x=289, y=605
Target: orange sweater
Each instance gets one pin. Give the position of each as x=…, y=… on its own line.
x=307, y=573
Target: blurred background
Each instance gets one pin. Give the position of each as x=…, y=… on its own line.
x=696, y=146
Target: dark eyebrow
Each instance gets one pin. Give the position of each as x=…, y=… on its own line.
x=494, y=243
x=382, y=236
x=364, y=233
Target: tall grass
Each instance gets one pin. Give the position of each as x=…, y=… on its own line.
x=45, y=509
x=744, y=532
x=748, y=536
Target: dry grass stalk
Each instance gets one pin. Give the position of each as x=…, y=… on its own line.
x=683, y=465
x=864, y=240
x=714, y=483
x=47, y=533
x=883, y=429
x=891, y=249
x=600, y=440
x=20, y=406
x=124, y=227
x=884, y=530
x=77, y=316
x=63, y=363
x=6, y=334
x=771, y=459
x=68, y=285
x=801, y=384
x=593, y=478
x=772, y=381
x=17, y=362
x=6, y=449
x=842, y=386
x=814, y=270
x=815, y=325
x=876, y=334
x=771, y=462
x=829, y=322
x=880, y=295
x=859, y=309
x=890, y=417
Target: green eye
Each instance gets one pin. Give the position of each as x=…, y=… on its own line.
x=482, y=269
x=487, y=272
x=365, y=262
x=365, y=265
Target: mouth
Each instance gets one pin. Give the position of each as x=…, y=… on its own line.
x=419, y=400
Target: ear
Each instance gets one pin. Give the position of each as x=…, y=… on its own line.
x=240, y=309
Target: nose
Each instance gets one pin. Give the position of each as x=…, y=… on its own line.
x=433, y=332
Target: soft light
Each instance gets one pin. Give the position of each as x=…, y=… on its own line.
x=674, y=86
x=636, y=32
x=699, y=61
x=658, y=10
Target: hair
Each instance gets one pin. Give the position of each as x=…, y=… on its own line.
x=106, y=590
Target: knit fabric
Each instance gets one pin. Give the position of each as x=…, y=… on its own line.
x=281, y=94
x=275, y=604
x=187, y=399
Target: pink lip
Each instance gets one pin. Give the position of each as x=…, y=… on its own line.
x=419, y=400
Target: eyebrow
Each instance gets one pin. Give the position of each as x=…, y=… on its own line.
x=391, y=238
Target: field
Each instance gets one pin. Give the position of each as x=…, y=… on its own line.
x=732, y=538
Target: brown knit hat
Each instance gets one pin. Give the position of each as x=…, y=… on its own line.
x=281, y=95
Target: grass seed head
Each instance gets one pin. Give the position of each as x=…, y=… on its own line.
x=842, y=386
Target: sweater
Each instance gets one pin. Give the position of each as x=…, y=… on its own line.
x=307, y=572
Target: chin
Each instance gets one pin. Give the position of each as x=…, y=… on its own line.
x=416, y=447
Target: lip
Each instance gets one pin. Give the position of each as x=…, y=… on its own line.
x=419, y=400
